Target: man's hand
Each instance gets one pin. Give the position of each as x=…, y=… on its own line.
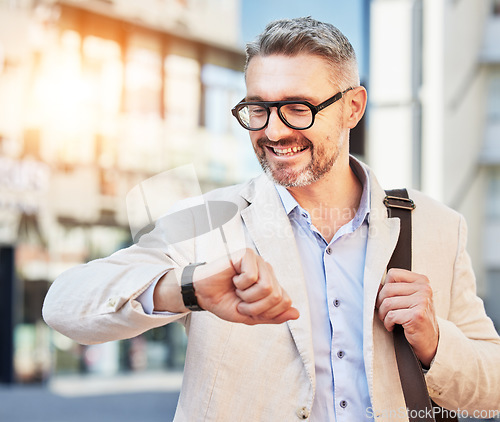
x=247, y=293
x=406, y=299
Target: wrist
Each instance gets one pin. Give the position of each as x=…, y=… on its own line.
x=427, y=358
x=167, y=296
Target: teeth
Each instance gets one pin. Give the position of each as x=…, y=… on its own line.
x=287, y=151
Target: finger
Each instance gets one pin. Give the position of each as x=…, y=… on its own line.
x=238, y=256
x=264, y=286
x=275, y=315
x=254, y=293
x=271, y=311
x=289, y=314
x=401, y=282
x=248, y=271
x=398, y=275
x=395, y=303
x=269, y=302
x=395, y=289
x=266, y=294
x=235, y=258
x=397, y=316
x=268, y=315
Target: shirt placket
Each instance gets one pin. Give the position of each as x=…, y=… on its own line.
x=339, y=352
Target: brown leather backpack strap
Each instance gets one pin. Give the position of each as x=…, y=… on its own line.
x=412, y=378
x=411, y=375
x=400, y=205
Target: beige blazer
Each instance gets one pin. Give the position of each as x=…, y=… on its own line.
x=265, y=373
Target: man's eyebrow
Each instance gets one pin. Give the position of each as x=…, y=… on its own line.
x=288, y=98
x=252, y=98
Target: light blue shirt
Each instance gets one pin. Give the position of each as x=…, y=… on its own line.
x=334, y=277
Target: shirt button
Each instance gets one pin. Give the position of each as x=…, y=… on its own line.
x=343, y=404
x=336, y=303
x=329, y=251
x=303, y=412
x=340, y=354
x=111, y=302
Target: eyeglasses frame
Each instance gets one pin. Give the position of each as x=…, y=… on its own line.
x=278, y=104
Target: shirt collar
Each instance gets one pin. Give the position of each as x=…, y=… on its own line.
x=289, y=202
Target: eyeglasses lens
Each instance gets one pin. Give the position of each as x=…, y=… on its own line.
x=255, y=117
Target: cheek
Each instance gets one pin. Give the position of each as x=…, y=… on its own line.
x=328, y=122
x=328, y=136
x=253, y=139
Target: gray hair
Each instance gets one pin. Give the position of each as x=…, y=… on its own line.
x=291, y=37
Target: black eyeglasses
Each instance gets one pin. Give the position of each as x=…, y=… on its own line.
x=298, y=115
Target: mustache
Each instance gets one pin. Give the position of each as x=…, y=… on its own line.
x=284, y=142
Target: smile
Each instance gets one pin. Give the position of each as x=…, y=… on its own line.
x=281, y=152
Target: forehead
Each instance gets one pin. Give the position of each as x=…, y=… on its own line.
x=276, y=76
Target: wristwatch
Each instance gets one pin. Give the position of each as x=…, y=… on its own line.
x=187, y=288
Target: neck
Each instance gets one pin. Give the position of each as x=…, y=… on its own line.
x=333, y=200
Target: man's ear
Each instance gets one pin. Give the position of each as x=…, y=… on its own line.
x=355, y=106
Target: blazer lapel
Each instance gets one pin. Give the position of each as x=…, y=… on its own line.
x=272, y=234
x=382, y=239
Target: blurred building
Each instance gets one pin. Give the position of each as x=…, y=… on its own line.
x=435, y=114
x=95, y=97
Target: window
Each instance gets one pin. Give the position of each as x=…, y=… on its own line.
x=223, y=89
x=182, y=92
x=143, y=79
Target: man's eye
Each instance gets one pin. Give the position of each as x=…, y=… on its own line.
x=257, y=111
x=297, y=109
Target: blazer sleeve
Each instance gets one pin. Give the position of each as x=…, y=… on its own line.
x=96, y=302
x=465, y=373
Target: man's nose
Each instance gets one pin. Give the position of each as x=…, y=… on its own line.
x=276, y=129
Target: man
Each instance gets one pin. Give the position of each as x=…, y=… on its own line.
x=299, y=325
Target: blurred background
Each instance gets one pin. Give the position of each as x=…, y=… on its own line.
x=99, y=95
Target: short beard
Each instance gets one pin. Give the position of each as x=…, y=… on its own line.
x=288, y=178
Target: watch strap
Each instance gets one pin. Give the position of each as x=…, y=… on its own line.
x=187, y=287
